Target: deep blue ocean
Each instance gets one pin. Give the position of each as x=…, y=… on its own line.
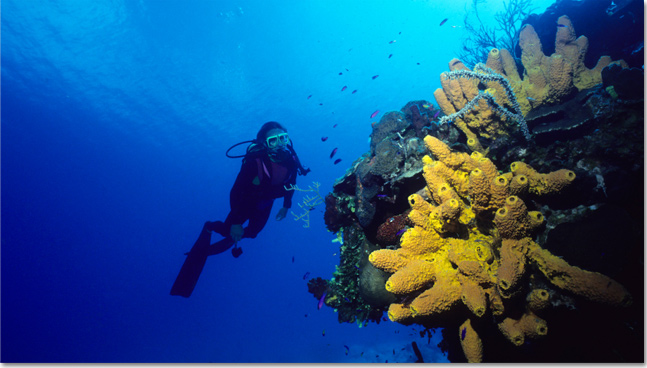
x=116, y=116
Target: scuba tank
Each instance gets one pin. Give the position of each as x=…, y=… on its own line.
x=254, y=148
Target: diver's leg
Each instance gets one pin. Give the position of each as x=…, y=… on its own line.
x=221, y=246
x=258, y=220
x=193, y=265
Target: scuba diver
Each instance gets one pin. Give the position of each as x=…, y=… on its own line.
x=270, y=167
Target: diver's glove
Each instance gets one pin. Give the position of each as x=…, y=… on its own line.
x=281, y=215
x=236, y=232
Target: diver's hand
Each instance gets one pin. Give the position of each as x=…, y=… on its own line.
x=236, y=232
x=281, y=215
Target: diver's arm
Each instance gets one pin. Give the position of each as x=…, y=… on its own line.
x=287, y=198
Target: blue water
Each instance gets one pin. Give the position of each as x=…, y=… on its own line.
x=115, y=119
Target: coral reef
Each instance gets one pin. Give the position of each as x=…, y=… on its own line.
x=458, y=254
x=547, y=80
x=591, y=223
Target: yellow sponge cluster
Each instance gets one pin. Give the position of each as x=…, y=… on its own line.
x=546, y=80
x=471, y=245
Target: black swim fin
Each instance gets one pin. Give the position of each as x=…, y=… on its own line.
x=194, y=263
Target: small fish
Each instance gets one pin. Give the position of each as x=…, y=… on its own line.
x=320, y=104
x=333, y=152
x=323, y=139
x=340, y=73
x=373, y=124
x=390, y=42
x=436, y=114
x=463, y=333
x=309, y=97
x=323, y=333
x=399, y=33
x=334, y=126
x=337, y=161
x=353, y=91
x=382, y=195
x=292, y=259
x=321, y=301
x=417, y=63
x=362, y=354
x=385, y=319
x=306, y=275
x=562, y=25
x=375, y=76
x=444, y=21
x=343, y=88
x=400, y=232
x=347, y=349
x=425, y=106
x=305, y=315
x=356, y=266
x=346, y=299
x=390, y=55
x=393, y=351
x=374, y=114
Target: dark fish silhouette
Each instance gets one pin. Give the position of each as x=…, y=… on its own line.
x=443, y=22
x=375, y=76
x=353, y=91
x=390, y=55
x=417, y=351
x=306, y=275
x=343, y=88
x=463, y=333
x=323, y=139
x=321, y=301
x=333, y=152
x=309, y=97
x=337, y=161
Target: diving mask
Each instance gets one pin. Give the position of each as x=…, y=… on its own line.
x=278, y=140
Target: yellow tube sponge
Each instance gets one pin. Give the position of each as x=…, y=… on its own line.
x=475, y=271
x=541, y=184
x=441, y=297
x=499, y=191
x=399, y=313
x=512, y=267
x=529, y=325
x=538, y=299
x=510, y=329
x=412, y=277
x=387, y=260
x=512, y=219
x=418, y=241
x=471, y=343
x=443, y=153
x=473, y=296
x=519, y=185
x=590, y=285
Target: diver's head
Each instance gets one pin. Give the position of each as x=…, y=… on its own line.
x=270, y=130
x=274, y=137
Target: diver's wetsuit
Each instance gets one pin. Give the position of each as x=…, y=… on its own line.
x=259, y=182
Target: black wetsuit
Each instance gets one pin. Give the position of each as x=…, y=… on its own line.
x=259, y=182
